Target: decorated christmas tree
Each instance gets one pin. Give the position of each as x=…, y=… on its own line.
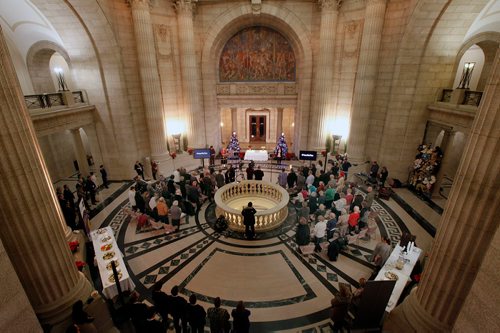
x=281, y=148
x=234, y=144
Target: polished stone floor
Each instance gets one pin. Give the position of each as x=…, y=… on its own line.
x=285, y=290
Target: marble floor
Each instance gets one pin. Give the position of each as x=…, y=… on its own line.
x=285, y=290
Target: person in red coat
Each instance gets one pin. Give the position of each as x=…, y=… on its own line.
x=353, y=219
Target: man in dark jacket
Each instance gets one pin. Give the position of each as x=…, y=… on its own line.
x=249, y=220
x=178, y=310
x=196, y=315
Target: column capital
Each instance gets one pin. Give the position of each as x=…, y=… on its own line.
x=140, y=3
x=185, y=6
x=374, y=2
x=330, y=4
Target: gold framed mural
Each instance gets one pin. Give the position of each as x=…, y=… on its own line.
x=257, y=54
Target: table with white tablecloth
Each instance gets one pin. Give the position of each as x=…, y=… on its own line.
x=403, y=275
x=106, y=250
x=256, y=155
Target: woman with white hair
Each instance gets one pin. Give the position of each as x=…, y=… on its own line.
x=175, y=215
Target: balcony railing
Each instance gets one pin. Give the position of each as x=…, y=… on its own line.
x=460, y=97
x=472, y=98
x=265, y=220
x=446, y=97
x=43, y=101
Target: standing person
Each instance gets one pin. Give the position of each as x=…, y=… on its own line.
x=310, y=179
x=282, y=178
x=175, y=215
x=258, y=174
x=373, y=172
x=140, y=201
x=340, y=306
x=241, y=321
x=354, y=219
x=382, y=252
x=154, y=168
x=249, y=220
x=196, y=315
x=319, y=232
x=91, y=189
x=219, y=179
x=81, y=318
x=345, y=167
x=69, y=196
x=178, y=310
x=291, y=179
x=231, y=174
x=301, y=180
x=161, y=302
x=139, y=168
x=212, y=155
x=104, y=176
x=131, y=198
x=162, y=210
x=383, y=176
x=249, y=171
x=218, y=318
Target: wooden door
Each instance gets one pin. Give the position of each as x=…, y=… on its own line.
x=258, y=128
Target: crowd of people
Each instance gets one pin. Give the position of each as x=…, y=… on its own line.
x=185, y=315
x=86, y=190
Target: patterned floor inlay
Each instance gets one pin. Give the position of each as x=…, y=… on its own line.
x=208, y=265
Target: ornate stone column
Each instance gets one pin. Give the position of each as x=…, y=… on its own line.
x=150, y=82
x=366, y=78
x=191, y=75
x=322, y=104
x=81, y=156
x=32, y=232
x=468, y=224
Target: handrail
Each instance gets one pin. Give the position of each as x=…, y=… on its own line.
x=48, y=100
x=265, y=220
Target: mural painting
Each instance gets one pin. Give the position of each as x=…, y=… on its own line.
x=257, y=54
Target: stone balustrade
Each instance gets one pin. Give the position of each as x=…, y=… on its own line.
x=265, y=220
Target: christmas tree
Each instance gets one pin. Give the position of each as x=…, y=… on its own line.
x=281, y=148
x=234, y=144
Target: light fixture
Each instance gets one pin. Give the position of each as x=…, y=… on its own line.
x=466, y=75
x=336, y=143
x=221, y=124
x=60, y=79
x=177, y=142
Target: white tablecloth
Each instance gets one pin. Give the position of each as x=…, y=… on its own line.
x=256, y=155
x=403, y=274
x=109, y=288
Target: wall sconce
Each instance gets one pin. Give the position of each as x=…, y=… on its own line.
x=60, y=79
x=466, y=75
x=177, y=142
x=336, y=143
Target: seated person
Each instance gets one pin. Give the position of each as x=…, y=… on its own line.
x=142, y=221
x=221, y=224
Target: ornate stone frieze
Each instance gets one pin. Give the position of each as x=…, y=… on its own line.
x=257, y=89
x=256, y=6
x=330, y=4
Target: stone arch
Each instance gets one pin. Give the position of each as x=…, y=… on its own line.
x=489, y=43
x=97, y=67
x=424, y=64
x=239, y=17
x=37, y=61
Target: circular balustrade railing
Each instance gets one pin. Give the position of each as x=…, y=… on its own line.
x=253, y=190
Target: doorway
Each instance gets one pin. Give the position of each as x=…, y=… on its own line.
x=258, y=128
